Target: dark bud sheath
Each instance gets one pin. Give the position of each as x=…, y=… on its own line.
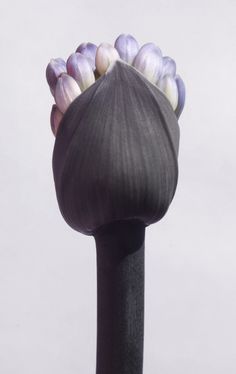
x=115, y=171
x=115, y=154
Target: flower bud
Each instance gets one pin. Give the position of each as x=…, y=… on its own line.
x=55, y=68
x=181, y=95
x=127, y=46
x=105, y=55
x=116, y=161
x=150, y=46
x=169, y=66
x=168, y=86
x=80, y=69
x=55, y=119
x=149, y=62
x=66, y=91
x=88, y=50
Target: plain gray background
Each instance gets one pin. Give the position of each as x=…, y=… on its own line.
x=47, y=270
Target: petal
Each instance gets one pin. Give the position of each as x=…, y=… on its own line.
x=150, y=47
x=149, y=62
x=181, y=94
x=169, y=66
x=168, y=86
x=88, y=50
x=55, y=118
x=66, y=91
x=80, y=69
x=105, y=55
x=54, y=69
x=127, y=46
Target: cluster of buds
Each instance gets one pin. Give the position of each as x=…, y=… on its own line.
x=67, y=79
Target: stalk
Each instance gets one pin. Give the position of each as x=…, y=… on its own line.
x=120, y=297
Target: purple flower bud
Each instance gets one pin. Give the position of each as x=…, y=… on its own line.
x=168, y=86
x=127, y=46
x=88, y=50
x=147, y=47
x=55, y=68
x=55, y=119
x=149, y=62
x=80, y=69
x=105, y=55
x=181, y=94
x=66, y=91
x=169, y=66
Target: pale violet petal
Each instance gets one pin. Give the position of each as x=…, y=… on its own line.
x=105, y=55
x=54, y=69
x=168, y=86
x=127, y=46
x=66, y=91
x=149, y=62
x=147, y=47
x=80, y=69
x=169, y=66
x=88, y=50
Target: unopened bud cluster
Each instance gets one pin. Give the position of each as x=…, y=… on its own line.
x=67, y=79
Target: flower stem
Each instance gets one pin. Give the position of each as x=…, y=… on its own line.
x=120, y=297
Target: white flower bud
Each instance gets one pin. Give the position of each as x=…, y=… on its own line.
x=168, y=86
x=105, y=55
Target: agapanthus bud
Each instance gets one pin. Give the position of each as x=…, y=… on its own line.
x=105, y=55
x=55, y=118
x=88, y=50
x=149, y=62
x=181, y=95
x=66, y=91
x=80, y=69
x=127, y=46
x=169, y=66
x=150, y=46
x=55, y=68
x=108, y=173
x=168, y=86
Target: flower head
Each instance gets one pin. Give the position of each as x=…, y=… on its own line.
x=90, y=62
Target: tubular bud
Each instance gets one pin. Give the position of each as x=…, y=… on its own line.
x=169, y=66
x=80, y=69
x=66, y=91
x=127, y=46
x=105, y=55
x=88, y=50
x=149, y=62
x=54, y=69
x=168, y=86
